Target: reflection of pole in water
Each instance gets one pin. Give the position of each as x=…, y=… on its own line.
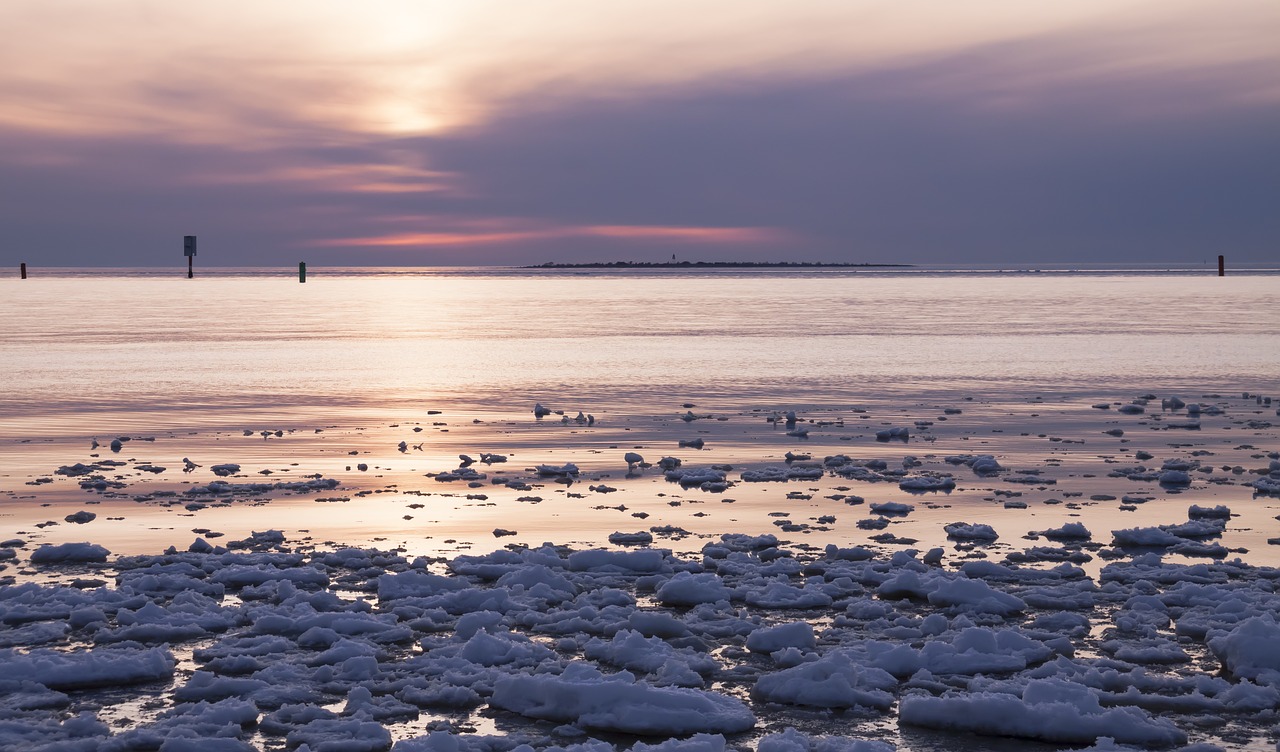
x=189, y=250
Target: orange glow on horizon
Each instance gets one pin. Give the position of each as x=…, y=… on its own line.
x=626, y=232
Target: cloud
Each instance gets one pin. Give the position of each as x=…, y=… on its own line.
x=242, y=72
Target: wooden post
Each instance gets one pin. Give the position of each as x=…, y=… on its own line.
x=22, y=268
x=302, y=271
x=1222, y=266
x=191, y=272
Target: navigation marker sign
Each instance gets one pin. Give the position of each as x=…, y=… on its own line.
x=189, y=250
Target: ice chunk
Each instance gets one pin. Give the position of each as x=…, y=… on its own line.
x=1251, y=650
x=1069, y=531
x=1050, y=710
x=967, y=531
x=833, y=681
x=66, y=552
x=584, y=696
x=686, y=589
x=631, y=650
x=975, y=596
x=796, y=634
x=924, y=483
x=891, y=508
x=564, y=471
x=639, y=538
x=794, y=741
x=83, y=669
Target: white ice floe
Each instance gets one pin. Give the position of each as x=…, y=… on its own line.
x=782, y=473
x=891, y=508
x=1069, y=531
x=1250, y=650
x=924, y=483
x=68, y=552
x=1219, y=512
x=981, y=464
x=974, y=596
x=1174, y=478
x=971, y=651
x=638, y=538
x=791, y=740
x=708, y=479
x=686, y=589
x=617, y=702
x=633, y=651
x=226, y=488
x=1269, y=486
x=1050, y=710
x=796, y=634
x=834, y=681
x=970, y=531
x=566, y=470
x=101, y=667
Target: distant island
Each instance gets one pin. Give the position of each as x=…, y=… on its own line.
x=711, y=265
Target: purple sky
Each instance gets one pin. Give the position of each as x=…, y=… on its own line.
x=409, y=133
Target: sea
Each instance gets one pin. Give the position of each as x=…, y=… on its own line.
x=98, y=350
x=382, y=378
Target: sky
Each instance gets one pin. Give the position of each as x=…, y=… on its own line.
x=495, y=132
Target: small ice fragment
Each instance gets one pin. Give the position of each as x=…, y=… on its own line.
x=967, y=531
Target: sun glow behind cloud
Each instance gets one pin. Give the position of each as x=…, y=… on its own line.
x=242, y=72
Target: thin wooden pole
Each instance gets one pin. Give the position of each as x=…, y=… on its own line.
x=302, y=271
x=23, y=269
x=1222, y=266
x=190, y=267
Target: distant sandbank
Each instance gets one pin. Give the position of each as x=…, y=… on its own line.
x=713, y=265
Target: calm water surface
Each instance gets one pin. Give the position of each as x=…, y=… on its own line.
x=141, y=352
